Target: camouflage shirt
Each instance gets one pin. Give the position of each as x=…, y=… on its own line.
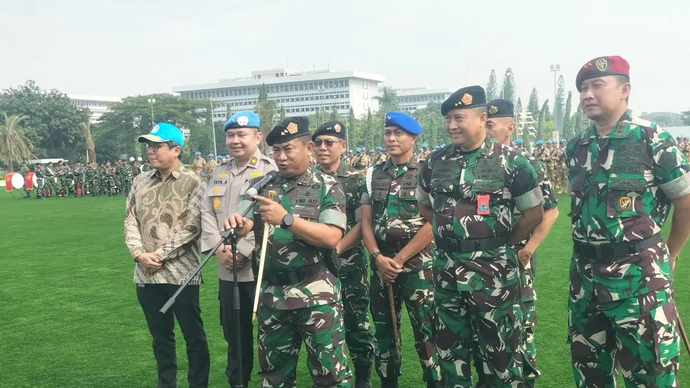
x=315, y=197
x=353, y=186
x=395, y=212
x=621, y=186
x=452, y=184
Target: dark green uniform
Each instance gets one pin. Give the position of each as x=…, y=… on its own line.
x=476, y=274
x=300, y=299
x=354, y=274
x=391, y=194
x=621, y=303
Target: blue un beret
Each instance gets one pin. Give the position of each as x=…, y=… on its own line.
x=404, y=122
x=243, y=119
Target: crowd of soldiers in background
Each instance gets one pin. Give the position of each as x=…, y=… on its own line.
x=63, y=180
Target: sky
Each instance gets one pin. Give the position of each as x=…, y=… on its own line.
x=130, y=47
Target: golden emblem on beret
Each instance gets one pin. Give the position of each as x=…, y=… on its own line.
x=292, y=128
x=493, y=110
x=336, y=128
x=625, y=202
x=602, y=64
x=216, y=203
x=466, y=99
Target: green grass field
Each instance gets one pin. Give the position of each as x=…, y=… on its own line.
x=69, y=315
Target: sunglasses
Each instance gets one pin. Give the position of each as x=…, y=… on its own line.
x=329, y=143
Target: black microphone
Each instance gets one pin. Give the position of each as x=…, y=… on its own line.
x=261, y=184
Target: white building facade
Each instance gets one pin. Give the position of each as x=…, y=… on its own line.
x=299, y=93
x=411, y=99
x=97, y=104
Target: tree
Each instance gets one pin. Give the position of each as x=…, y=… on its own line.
x=543, y=128
x=88, y=140
x=354, y=133
x=387, y=101
x=580, y=121
x=492, y=87
x=518, y=117
x=53, y=120
x=686, y=117
x=558, y=106
x=334, y=114
x=266, y=109
x=509, y=89
x=568, y=131
x=118, y=130
x=15, y=148
x=533, y=104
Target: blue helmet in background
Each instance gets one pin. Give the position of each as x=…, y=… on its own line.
x=518, y=141
x=539, y=142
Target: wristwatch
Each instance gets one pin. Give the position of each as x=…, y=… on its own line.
x=373, y=256
x=288, y=220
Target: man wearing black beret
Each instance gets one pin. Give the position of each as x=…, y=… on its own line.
x=300, y=296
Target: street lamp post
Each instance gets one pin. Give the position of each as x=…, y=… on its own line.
x=213, y=129
x=555, y=69
x=152, y=101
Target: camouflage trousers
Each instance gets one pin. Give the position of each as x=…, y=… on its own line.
x=638, y=334
x=415, y=289
x=529, y=320
x=496, y=318
x=355, y=295
x=280, y=337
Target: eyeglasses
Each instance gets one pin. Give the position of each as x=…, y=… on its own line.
x=156, y=146
x=329, y=143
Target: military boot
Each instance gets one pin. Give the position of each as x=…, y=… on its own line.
x=389, y=382
x=363, y=376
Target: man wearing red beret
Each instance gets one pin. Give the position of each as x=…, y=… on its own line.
x=624, y=175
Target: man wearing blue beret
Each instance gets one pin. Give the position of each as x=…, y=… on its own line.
x=227, y=184
x=398, y=238
x=199, y=164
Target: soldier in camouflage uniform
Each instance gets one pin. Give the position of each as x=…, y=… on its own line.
x=89, y=179
x=329, y=141
x=199, y=164
x=40, y=181
x=500, y=125
x=362, y=160
x=398, y=238
x=624, y=175
x=210, y=165
x=300, y=296
x=470, y=190
x=354, y=159
x=51, y=180
x=424, y=153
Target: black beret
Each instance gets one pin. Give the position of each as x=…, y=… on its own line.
x=288, y=129
x=500, y=108
x=331, y=128
x=465, y=98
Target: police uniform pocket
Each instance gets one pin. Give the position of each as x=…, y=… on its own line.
x=216, y=193
x=624, y=197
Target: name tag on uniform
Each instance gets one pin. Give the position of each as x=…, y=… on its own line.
x=483, y=204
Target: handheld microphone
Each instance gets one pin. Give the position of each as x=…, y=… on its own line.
x=261, y=184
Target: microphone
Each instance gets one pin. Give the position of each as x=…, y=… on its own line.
x=261, y=184
x=257, y=188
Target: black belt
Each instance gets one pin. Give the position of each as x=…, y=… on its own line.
x=392, y=246
x=609, y=251
x=472, y=245
x=279, y=278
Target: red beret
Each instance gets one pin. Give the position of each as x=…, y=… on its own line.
x=600, y=67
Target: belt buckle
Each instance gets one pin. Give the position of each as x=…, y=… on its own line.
x=477, y=245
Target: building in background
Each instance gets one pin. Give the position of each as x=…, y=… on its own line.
x=299, y=93
x=96, y=104
x=411, y=99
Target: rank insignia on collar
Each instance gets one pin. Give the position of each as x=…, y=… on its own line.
x=625, y=202
x=252, y=161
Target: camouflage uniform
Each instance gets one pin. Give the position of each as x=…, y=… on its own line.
x=90, y=180
x=309, y=309
x=51, y=180
x=199, y=164
x=395, y=213
x=354, y=274
x=477, y=281
x=210, y=165
x=621, y=307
